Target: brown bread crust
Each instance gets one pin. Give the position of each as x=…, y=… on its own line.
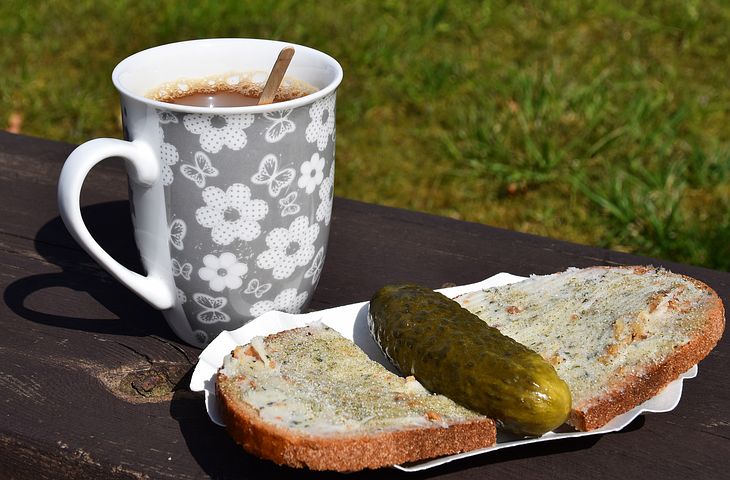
x=636, y=389
x=346, y=453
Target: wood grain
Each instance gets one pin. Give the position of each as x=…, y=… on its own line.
x=94, y=384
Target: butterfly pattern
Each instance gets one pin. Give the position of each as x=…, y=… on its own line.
x=280, y=125
x=257, y=288
x=166, y=116
x=201, y=169
x=181, y=270
x=314, y=271
x=287, y=205
x=211, y=312
x=270, y=175
x=268, y=159
x=201, y=337
x=178, y=230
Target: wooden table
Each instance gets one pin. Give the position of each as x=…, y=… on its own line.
x=93, y=384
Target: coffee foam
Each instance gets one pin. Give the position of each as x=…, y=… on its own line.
x=250, y=84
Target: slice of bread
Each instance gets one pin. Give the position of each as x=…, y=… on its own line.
x=308, y=397
x=616, y=335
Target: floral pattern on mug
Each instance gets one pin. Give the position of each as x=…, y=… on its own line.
x=212, y=306
x=322, y=113
x=312, y=173
x=168, y=157
x=217, y=131
x=222, y=272
x=288, y=301
x=289, y=248
x=326, y=197
x=264, y=189
x=232, y=214
x=280, y=126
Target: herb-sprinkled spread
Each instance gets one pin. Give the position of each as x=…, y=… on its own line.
x=322, y=383
x=596, y=326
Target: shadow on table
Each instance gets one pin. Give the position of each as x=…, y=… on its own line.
x=111, y=226
x=214, y=450
x=220, y=457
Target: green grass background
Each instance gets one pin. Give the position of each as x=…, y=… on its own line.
x=601, y=122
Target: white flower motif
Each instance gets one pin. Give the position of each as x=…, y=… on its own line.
x=231, y=214
x=211, y=312
x=280, y=126
x=287, y=301
x=312, y=173
x=177, y=230
x=222, y=272
x=169, y=157
x=218, y=130
x=289, y=248
x=326, y=195
x=316, y=269
x=322, y=113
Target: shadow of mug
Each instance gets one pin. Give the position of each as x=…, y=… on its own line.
x=109, y=223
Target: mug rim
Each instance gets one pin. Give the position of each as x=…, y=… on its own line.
x=288, y=104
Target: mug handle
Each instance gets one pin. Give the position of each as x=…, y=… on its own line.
x=143, y=169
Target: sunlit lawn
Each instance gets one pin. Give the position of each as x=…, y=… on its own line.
x=599, y=122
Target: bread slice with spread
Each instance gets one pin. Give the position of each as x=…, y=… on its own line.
x=308, y=397
x=616, y=335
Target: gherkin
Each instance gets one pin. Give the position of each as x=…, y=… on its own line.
x=454, y=353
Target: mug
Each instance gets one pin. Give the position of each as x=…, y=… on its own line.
x=231, y=206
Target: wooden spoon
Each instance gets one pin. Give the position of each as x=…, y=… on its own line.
x=276, y=76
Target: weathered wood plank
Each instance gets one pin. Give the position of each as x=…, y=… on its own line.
x=94, y=383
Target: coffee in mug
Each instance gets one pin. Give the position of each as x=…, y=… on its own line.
x=231, y=89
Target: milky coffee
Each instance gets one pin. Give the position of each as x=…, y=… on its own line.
x=231, y=89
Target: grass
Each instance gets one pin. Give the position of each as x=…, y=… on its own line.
x=601, y=122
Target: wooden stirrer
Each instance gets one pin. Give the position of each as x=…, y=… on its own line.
x=276, y=76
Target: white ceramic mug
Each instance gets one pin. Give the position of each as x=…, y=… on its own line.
x=231, y=206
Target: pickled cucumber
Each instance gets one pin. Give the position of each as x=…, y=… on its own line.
x=454, y=353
